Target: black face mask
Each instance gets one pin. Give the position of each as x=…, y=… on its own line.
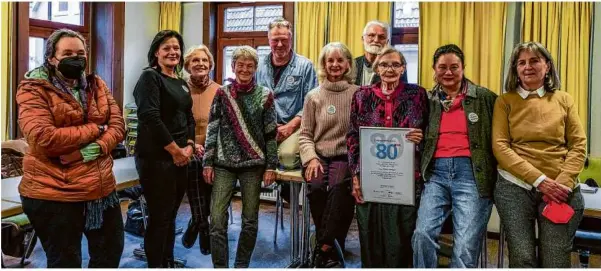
x=72, y=67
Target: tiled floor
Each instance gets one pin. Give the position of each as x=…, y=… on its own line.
x=266, y=254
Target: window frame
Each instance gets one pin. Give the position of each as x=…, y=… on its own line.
x=59, y=6
x=402, y=35
x=253, y=42
x=221, y=7
x=250, y=38
x=30, y=27
x=105, y=19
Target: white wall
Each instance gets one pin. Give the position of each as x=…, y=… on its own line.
x=141, y=24
x=192, y=28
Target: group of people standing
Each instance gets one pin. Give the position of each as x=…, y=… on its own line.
x=200, y=138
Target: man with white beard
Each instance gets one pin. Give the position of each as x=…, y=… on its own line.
x=375, y=37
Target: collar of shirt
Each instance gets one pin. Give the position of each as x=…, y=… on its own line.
x=524, y=93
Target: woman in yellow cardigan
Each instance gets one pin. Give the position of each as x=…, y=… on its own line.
x=540, y=145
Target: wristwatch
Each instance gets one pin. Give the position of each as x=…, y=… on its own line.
x=101, y=128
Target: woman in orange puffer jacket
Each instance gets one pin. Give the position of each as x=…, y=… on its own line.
x=71, y=123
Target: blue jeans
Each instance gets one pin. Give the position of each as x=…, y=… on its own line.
x=452, y=186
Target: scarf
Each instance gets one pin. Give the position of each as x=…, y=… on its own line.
x=236, y=87
x=62, y=85
x=200, y=82
x=447, y=102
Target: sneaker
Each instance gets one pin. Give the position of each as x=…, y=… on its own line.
x=189, y=237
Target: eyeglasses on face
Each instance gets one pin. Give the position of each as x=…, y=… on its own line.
x=394, y=66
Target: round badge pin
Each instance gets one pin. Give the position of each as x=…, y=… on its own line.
x=290, y=80
x=473, y=117
x=331, y=109
x=185, y=89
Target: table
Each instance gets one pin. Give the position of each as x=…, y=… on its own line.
x=592, y=204
x=124, y=170
x=10, y=208
x=299, y=226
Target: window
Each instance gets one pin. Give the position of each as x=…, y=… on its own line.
x=238, y=19
x=245, y=24
x=262, y=51
x=406, y=14
x=410, y=53
x=405, y=35
x=227, y=63
x=45, y=18
x=36, y=22
x=36, y=52
x=63, y=6
x=57, y=12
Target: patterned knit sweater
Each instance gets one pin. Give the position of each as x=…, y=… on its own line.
x=326, y=119
x=406, y=107
x=241, y=131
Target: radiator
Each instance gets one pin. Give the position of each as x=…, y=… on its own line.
x=269, y=196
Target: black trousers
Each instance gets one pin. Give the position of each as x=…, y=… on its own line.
x=164, y=185
x=332, y=205
x=199, y=196
x=60, y=226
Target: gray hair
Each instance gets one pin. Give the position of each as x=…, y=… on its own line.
x=279, y=23
x=349, y=75
x=51, y=42
x=194, y=49
x=245, y=52
x=378, y=23
x=386, y=51
x=512, y=81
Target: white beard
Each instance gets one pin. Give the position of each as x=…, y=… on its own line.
x=372, y=49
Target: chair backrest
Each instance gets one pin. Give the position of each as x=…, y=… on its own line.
x=18, y=145
x=12, y=157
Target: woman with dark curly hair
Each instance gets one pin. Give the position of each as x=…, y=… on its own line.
x=165, y=142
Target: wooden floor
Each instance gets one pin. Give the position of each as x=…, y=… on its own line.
x=266, y=254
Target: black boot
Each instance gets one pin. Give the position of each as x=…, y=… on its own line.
x=189, y=236
x=205, y=242
x=326, y=259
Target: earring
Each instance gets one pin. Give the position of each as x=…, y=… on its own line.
x=547, y=76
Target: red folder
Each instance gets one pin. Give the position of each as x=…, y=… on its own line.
x=558, y=213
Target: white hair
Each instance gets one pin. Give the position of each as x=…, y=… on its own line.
x=378, y=23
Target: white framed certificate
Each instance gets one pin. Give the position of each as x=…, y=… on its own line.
x=387, y=165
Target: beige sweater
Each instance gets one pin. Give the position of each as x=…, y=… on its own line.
x=326, y=120
x=202, y=99
x=539, y=135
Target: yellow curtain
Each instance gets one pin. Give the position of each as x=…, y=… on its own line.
x=347, y=20
x=310, y=29
x=477, y=28
x=170, y=16
x=540, y=22
x=565, y=30
x=5, y=57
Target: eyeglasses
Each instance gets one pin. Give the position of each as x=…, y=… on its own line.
x=444, y=69
x=394, y=66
